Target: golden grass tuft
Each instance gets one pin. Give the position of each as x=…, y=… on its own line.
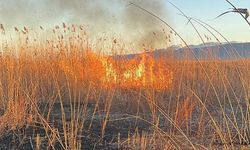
x=15, y=116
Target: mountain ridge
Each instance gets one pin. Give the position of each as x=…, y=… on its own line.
x=225, y=51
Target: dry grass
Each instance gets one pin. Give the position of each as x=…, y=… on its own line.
x=187, y=103
x=15, y=116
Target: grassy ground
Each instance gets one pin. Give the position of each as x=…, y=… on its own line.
x=59, y=91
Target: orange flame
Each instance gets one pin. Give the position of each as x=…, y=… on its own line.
x=142, y=72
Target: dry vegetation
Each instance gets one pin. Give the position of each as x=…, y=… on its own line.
x=57, y=91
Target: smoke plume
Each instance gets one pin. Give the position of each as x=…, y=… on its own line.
x=100, y=16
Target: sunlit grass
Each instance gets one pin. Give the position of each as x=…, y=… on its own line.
x=186, y=103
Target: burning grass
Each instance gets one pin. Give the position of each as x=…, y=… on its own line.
x=108, y=72
x=59, y=92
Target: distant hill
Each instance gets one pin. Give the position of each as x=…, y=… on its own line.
x=210, y=51
x=219, y=51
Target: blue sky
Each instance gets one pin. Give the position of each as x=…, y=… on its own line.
x=113, y=17
x=233, y=26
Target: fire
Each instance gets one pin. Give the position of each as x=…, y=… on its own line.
x=110, y=73
x=138, y=72
x=141, y=72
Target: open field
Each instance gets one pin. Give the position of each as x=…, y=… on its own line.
x=59, y=91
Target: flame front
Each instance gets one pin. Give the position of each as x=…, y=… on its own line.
x=141, y=72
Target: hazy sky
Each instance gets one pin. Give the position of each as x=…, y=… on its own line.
x=115, y=18
x=232, y=25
